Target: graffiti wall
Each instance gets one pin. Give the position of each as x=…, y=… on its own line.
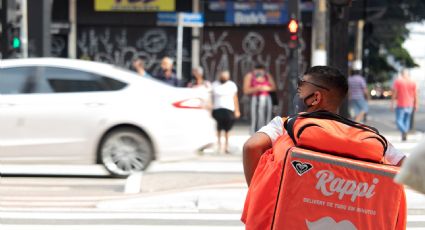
x=120, y=45
x=240, y=49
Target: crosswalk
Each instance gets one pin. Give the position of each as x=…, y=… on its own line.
x=38, y=211
x=119, y=220
x=46, y=220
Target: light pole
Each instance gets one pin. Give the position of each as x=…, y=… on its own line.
x=338, y=42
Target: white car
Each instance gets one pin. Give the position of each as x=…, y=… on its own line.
x=63, y=111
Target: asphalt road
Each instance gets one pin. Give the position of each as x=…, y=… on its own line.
x=73, y=202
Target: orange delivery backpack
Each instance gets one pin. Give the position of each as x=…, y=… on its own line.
x=326, y=172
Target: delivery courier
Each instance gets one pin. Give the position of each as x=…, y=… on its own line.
x=329, y=188
x=317, y=170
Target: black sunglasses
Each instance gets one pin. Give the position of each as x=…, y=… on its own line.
x=301, y=82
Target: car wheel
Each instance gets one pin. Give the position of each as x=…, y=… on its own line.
x=125, y=151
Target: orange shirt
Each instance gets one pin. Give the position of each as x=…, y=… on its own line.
x=406, y=92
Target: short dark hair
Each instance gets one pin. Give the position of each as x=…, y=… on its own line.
x=356, y=72
x=330, y=77
x=259, y=66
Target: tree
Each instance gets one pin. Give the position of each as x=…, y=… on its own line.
x=385, y=33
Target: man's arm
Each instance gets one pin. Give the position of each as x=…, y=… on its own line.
x=416, y=102
x=247, y=88
x=272, y=83
x=236, y=102
x=393, y=99
x=256, y=145
x=394, y=156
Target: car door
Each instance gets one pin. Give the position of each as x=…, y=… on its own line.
x=61, y=118
x=16, y=84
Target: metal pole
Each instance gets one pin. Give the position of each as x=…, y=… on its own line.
x=338, y=45
x=46, y=22
x=39, y=20
x=24, y=29
x=196, y=54
x=3, y=21
x=179, y=60
x=72, y=36
x=293, y=60
x=319, y=54
x=358, y=63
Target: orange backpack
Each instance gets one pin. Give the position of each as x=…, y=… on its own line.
x=330, y=133
x=284, y=190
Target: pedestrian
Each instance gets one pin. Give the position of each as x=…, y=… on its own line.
x=198, y=80
x=258, y=84
x=225, y=107
x=167, y=73
x=139, y=66
x=321, y=88
x=405, y=101
x=203, y=86
x=358, y=96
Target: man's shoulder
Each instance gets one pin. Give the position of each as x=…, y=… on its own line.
x=357, y=78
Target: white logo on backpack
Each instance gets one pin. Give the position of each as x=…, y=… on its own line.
x=328, y=184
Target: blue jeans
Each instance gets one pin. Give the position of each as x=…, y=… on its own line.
x=403, y=118
x=358, y=106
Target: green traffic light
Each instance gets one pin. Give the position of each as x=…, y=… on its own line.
x=16, y=43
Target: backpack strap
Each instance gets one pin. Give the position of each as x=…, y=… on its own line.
x=323, y=114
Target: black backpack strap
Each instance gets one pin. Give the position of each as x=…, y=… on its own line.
x=289, y=126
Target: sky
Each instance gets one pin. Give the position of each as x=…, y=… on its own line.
x=416, y=46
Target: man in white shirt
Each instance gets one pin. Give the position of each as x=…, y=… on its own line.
x=321, y=88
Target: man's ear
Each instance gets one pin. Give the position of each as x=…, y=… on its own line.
x=318, y=97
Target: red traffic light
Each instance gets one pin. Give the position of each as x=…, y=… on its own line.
x=293, y=26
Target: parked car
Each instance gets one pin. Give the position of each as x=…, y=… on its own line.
x=63, y=111
x=379, y=91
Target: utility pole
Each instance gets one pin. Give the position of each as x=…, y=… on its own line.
x=179, y=57
x=294, y=55
x=338, y=45
x=319, y=54
x=72, y=36
x=358, y=63
x=24, y=28
x=3, y=21
x=196, y=31
x=39, y=20
x=7, y=17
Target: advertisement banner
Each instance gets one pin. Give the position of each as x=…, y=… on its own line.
x=135, y=5
x=344, y=194
x=256, y=13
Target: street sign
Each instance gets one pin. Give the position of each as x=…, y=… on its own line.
x=180, y=20
x=193, y=19
x=188, y=19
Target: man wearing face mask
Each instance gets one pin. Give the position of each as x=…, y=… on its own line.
x=320, y=88
x=225, y=107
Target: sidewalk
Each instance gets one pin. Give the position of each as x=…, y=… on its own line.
x=229, y=197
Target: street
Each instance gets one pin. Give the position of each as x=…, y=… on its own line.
x=203, y=192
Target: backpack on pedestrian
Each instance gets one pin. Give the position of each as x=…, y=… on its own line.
x=327, y=173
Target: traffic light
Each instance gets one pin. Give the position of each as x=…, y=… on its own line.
x=16, y=41
x=13, y=40
x=11, y=23
x=293, y=28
